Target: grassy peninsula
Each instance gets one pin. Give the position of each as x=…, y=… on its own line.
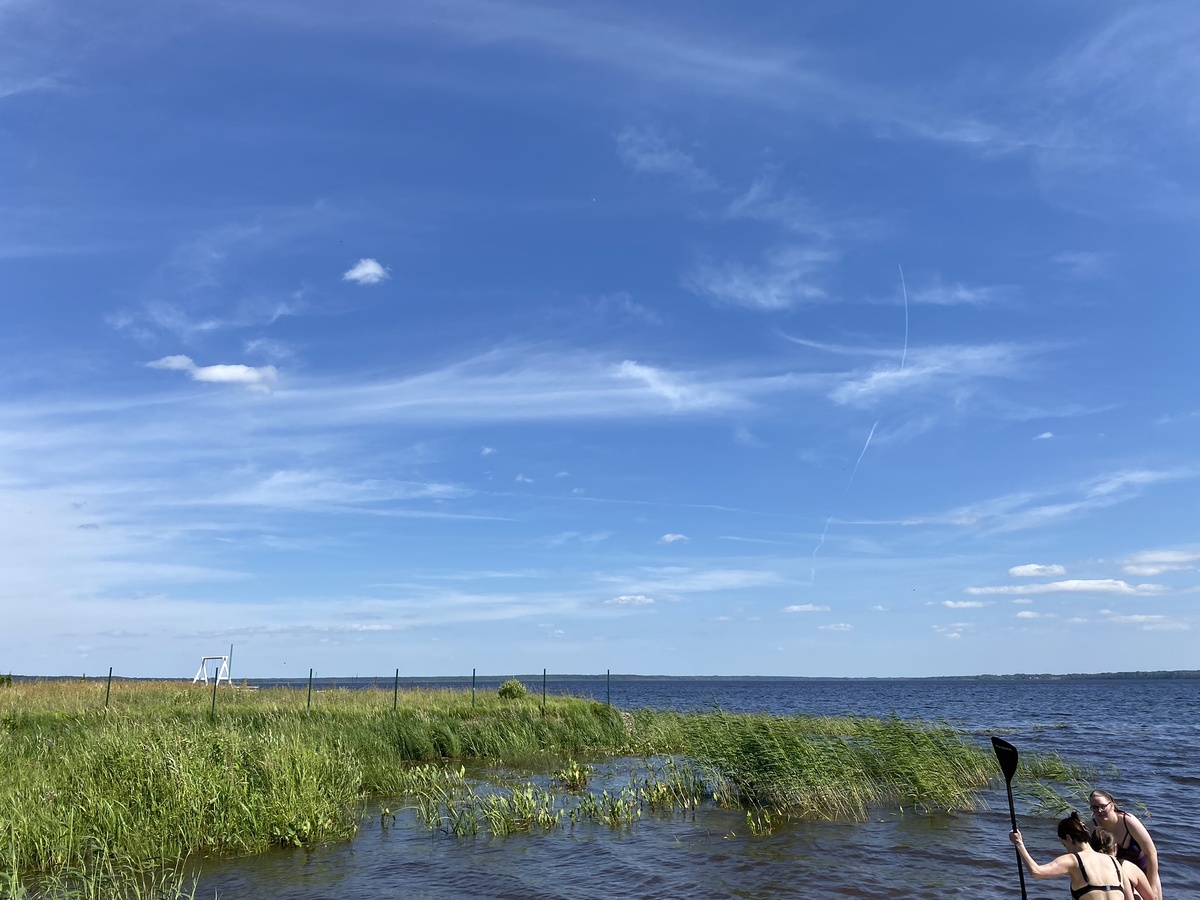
x=97, y=802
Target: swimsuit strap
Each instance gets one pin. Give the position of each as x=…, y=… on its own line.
x=1088, y=887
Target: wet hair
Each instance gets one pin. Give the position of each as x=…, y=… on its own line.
x=1072, y=828
x=1102, y=841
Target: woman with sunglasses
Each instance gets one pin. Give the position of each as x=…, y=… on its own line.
x=1094, y=876
x=1133, y=840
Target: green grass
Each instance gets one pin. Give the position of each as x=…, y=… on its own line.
x=112, y=803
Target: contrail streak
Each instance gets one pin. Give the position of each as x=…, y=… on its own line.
x=812, y=576
x=861, y=455
x=903, y=357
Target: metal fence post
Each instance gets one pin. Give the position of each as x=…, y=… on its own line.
x=108, y=690
x=308, y=707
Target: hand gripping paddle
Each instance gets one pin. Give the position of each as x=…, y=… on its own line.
x=1006, y=753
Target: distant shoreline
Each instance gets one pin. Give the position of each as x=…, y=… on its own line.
x=360, y=680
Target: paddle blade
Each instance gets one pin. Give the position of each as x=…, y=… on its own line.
x=1006, y=753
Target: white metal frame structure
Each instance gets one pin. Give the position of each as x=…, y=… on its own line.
x=222, y=670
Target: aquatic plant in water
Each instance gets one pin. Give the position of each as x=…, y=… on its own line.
x=121, y=797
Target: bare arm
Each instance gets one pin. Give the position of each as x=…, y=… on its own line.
x=1142, y=836
x=1063, y=865
x=1138, y=881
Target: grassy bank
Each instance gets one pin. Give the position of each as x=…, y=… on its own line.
x=155, y=778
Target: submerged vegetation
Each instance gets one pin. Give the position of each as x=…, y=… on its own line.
x=97, y=802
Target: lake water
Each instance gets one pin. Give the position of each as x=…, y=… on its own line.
x=1148, y=729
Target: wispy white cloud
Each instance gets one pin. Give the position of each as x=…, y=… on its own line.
x=1123, y=122
x=1037, y=570
x=764, y=202
x=1082, y=264
x=583, y=537
x=837, y=626
x=950, y=366
x=1155, y=562
x=939, y=293
x=366, y=271
x=515, y=384
x=674, y=539
x=805, y=608
x=965, y=604
x=1033, y=509
x=1044, y=436
x=487, y=451
x=788, y=277
x=260, y=378
x=682, y=580
x=644, y=150
x=1075, y=586
x=296, y=489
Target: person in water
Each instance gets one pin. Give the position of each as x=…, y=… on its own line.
x=1133, y=840
x=1102, y=841
x=1094, y=876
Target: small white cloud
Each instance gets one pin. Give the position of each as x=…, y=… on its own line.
x=524, y=479
x=879, y=608
x=1033, y=570
x=1028, y=614
x=805, y=608
x=1137, y=619
x=257, y=378
x=953, y=630
x=673, y=539
x=630, y=600
x=576, y=490
x=1044, y=436
x=366, y=271
x=563, y=475
x=487, y=451
x=839, y=626
x=965, y=604
x=1022, y=600
x=954, y=635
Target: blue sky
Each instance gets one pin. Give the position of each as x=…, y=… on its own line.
x=811, y=339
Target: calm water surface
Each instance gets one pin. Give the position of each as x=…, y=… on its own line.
x=1148, y=730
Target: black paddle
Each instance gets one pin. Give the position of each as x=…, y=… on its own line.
x=1007, y=754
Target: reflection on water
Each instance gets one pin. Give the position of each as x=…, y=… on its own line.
x=1149, y=730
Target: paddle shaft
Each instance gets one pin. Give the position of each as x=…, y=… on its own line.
x=1012, y=814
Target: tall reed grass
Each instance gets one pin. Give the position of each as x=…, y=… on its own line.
x=124, y=796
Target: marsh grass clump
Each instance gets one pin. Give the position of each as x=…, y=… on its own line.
x=822, y=768
x=512, y=690
x=139, y=788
